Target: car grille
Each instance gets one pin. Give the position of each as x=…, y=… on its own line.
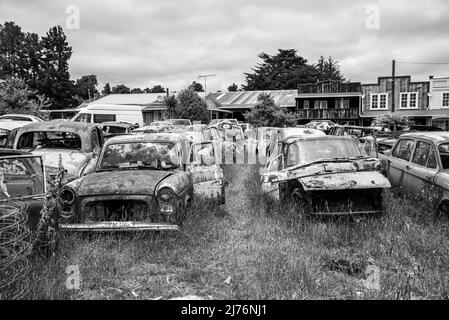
x=117, y=210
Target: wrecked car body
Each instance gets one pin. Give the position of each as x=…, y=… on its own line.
x=142, y=182
x=77, y=144
x=23, y=183
x=326, y=175
x=419, y=162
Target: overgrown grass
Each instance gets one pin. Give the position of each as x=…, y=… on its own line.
x=270, y=250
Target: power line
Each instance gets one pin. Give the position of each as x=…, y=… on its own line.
x=413, y=62
x=357, y=74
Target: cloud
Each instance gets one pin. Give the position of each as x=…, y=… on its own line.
x=143, y=43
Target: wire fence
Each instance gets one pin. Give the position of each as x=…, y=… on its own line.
x=15, y=246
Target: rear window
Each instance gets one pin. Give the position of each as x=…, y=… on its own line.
x=114, y=129
x=16, y=118
x=99, y=118
x=50, y=140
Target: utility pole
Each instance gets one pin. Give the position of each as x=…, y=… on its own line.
x=393, y=77
x=205, y=77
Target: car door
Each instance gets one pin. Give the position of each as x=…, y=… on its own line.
x=399, y=163
x=423, y=167
x=206, y=174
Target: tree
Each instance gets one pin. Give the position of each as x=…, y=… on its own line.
x=156, y=89
x=267, y=114
x=121, y=88
x=284, y=70
x=393, y=121
x=233, y=87
x=13, y=61
x=16, y=97
x=196, y=86
x=54, y=78
x=328, y=69
x=137, y=90
x=86, y=86
x=171, y=105
x=106, y=89
x=191, y=106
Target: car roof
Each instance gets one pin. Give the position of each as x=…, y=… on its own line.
x=148, y=137
x=356, y=127
x=116, y=123
x=436, y=136
x=58, y=126
x=301, y=131
x=291, y=139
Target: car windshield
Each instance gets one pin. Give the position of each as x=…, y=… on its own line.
x=309, y=151
x=136, y=155
x=49, y=139
x=443, y=149
x=21, y=177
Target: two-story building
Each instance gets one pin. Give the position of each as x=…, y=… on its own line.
x=439, y=101
x=408, y=98
x=329, y=100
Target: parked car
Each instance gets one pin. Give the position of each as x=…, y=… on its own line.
x=218, y=121
x=20, y=117
x=182, y=123
x=324, y=125
x=78, y=145
x=326, y=175
x=419, y=158
x=23, y=182
x=155, y=127
x=142, y=182
x=231, y=139
x=112, y=129
x=98, y=113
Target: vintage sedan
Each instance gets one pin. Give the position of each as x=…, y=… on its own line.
x=78, y=144
x=326, y=175
x=142, y=182
x=419, y=159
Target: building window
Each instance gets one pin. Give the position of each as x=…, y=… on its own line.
x=306, y=104
x=379, y=101
x=321, y=104
x=342, y=103
x=446, y=99
x=409, y=100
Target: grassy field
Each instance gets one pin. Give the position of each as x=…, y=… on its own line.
x=254, y=248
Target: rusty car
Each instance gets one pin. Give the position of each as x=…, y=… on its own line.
x=326, y=175
x=142, y=182
x=77, y=144
x=419, y=159
x=155, y=127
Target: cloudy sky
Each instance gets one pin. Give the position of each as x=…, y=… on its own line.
x=143, y=43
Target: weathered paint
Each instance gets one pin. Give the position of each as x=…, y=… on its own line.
x=347, y=180
x=73, y=161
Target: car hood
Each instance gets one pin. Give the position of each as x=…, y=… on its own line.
x=357, y=174
x=122, y=182
x=11, y=125
x=72, y=160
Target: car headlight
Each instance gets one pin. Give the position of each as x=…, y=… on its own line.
x=167, y=194
x=67, y=196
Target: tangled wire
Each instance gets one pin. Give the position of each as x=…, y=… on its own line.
x=15, y=246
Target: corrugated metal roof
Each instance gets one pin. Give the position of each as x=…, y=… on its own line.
x=247, y=99
x=131, y=98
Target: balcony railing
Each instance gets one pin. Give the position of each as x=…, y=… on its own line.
x=330, y=87
x=328, y=114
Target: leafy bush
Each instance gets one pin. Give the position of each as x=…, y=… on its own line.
x=267, y=114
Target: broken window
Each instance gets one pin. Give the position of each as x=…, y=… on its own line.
x=136, y=155
x=421, y=154
x=404, y=149
x=50, y=140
